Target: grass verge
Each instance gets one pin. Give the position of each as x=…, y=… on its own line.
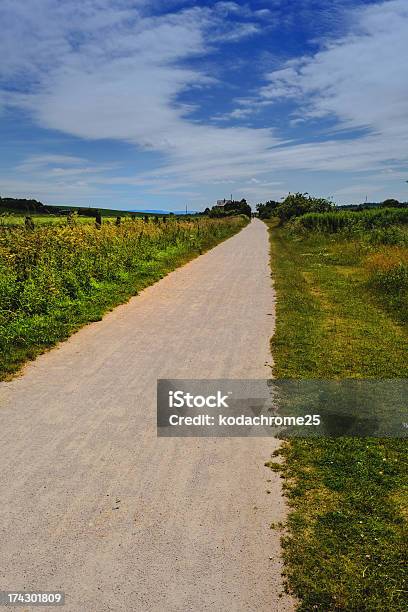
x=344, y=549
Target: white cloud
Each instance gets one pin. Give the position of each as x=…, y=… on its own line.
x=243, y=10
x=108, y=69
x=109, y=72
x=360, y=79
x=360, y=82
x=40, y=161
x=57, y=178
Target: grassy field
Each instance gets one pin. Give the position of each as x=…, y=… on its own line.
x=341, y=312
x=55, y=279
x=13, y=219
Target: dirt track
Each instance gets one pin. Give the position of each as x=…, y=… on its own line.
x=94, y=504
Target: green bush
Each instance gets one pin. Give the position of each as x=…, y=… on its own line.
x=297, y=204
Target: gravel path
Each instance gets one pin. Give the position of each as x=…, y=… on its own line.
x=93, y=503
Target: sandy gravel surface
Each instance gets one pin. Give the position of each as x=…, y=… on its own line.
x=93, y=503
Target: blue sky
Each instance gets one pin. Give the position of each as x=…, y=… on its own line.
x=157, y=104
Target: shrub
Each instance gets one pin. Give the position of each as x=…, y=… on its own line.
x=297, y=204
x=391, y=203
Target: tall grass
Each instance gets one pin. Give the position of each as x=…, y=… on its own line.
x=382, y=235
x=356, y=221
x=388, y=277
x=53, y=279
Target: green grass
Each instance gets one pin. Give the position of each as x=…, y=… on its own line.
x=54, y=280
x=13, y=219
x=344, y=547
x=13, y=211
x=355, y=221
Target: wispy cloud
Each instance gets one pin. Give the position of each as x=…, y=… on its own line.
x=113, y=70
x=34, y=162
x=357, y=81
x=120, y=77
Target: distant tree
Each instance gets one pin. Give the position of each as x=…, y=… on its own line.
x=245, y=208
x=235, y=207
x=297, y=204
x=238, y=207
x=267, y=210
x=87, y=212
x=23, y=205
x=391, y=203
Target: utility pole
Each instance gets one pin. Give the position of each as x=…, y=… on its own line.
x=186, y=208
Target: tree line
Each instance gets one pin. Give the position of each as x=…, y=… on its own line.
x=297, y=204
x=234, y=207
